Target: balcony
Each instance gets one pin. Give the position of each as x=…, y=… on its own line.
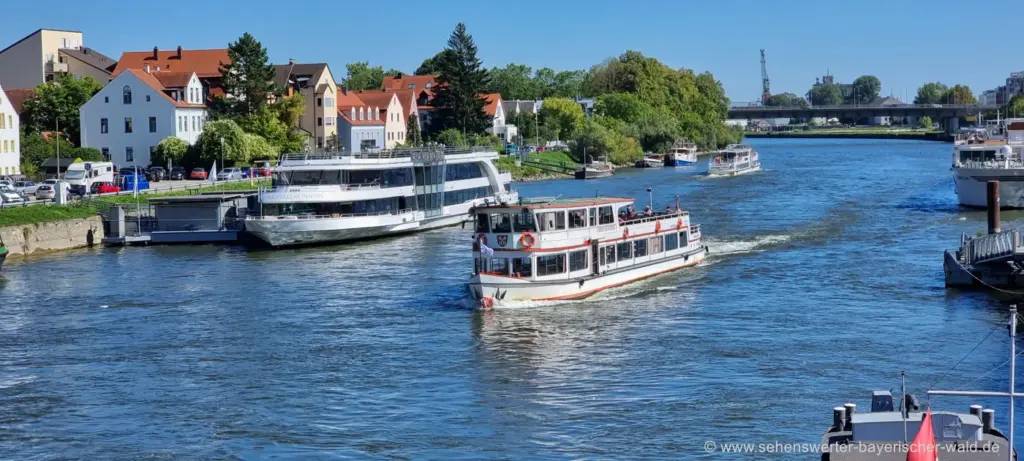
x=54, y=66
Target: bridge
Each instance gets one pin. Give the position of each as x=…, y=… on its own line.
x=937, y=112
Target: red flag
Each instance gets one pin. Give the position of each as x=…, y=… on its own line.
x=923, y=447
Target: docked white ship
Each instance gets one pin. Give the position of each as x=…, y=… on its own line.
x=734, y=160
x=993, y=153
x=337, y=197
x=682, y=153
x=554, y=249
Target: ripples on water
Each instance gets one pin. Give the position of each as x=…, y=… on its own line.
x=825, y=280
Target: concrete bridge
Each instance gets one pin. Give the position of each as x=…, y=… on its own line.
x=946, y=114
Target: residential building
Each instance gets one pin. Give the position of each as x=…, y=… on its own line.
x=496, y=111
x=988, y=98
x=409, y=99
x=41, y=55
x=18, y=98
x=360, y=127
x=204, y=63
x=10, y=148
x=316, y=85
x=138, y=109
x=391, y=111
x=409, y=82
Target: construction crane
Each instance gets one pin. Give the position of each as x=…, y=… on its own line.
x=765, y=88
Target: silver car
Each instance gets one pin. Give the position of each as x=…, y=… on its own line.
x=9, y=195
x=26, y=188
x=46, y=192
x=229, y=173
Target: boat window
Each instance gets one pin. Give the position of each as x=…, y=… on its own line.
x=500, y=222
x=683, y=242
x=483, y=223
x=552, y=220
x=550, y=264
x=607, y=215
x=655, y=245
x=280, y=178
x=639, y=248
x=523, y=222
x=456, y=197
x=305, y=178
x=625, y=251
x=497, y=266
x=577, y=218
x=593, y=217
x=671, y=241
x=608, y=254
x=578, y=260
x=522, y=267
x=458, y=171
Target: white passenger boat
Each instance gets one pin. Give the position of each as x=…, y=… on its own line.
x=995, y=152
x=336, y=197
x=734, y=160
x=553, y=249
x=650, y=161
x=681, y=154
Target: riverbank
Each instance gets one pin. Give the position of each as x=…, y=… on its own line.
x=45, y=237
x=854, y=134
x=523, y=173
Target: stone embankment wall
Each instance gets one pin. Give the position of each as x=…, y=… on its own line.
x=53, y=236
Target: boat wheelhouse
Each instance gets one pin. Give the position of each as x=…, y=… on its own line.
x=318, y=198
x=650, y=161
x=681, y=154
x=735, y=159
x=995, y=152
x=553, y=249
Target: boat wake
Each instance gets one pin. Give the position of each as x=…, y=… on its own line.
x=758, y=244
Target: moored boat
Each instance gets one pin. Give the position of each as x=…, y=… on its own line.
x=995, y=152
x=734, y=160
x=650, y=161
x=594, y=170
x=554, y=249
x=682, y=153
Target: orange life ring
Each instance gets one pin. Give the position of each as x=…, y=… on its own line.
x=527, y=240
x=657, y=227
x=679, y=223
x=482, y=238
x=625, y=233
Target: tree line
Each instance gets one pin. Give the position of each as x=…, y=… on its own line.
x=866, y=89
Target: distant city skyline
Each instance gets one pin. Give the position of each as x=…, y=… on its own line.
x=903, y=45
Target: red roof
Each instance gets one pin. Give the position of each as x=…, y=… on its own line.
x=493, y=99
x=153, y=82
x=173, y=79
x=18, y=97
x=349, y=99
x=402, y=82
x=205, y=63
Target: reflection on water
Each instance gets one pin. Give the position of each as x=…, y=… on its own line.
x=823, y=282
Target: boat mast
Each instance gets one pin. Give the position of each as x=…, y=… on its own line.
x=903, y=405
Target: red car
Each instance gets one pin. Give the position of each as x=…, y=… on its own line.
x=198, y=173
x=104, y=188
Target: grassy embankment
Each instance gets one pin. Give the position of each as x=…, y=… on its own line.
x=20, y=215
x=531, y=173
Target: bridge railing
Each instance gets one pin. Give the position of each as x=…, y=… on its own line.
x=992, y=247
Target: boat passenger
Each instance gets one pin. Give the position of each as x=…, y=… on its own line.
x=647, y=210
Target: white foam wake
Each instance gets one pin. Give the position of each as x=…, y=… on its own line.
x=756, y=245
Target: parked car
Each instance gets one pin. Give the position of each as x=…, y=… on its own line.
x=104, y=188
x=198, y=173
x=177, y=173
x=230, y=173
x=9, y=195
x=46, y=192
x=157, y=173
x=128, y=182
x=26, y=187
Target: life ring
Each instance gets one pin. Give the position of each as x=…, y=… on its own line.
x=482, y=239
x=527, y=240
x=657, y=227
x=625, y=233
x=679, y=223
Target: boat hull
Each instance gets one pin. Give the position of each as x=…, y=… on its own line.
x=680, y=160
x=971, y=186
x=284, y=232
x=592, y=174
x=512, y=289
x=726, y=173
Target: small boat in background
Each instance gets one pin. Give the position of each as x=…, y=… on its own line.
x=682, y=153
x=594, y=170
x=734, y=160
x=650, y=161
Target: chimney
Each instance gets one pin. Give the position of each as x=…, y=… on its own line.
x=146, y=67
x=156, y=53
x=179, y=52
x=85, y=50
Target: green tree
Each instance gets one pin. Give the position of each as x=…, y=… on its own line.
x=221, y=139
x=931, y=93
x=461, y=81
x=865, y=89
x=959, y=94
x=363, y=77
x=925, y=123
x=786, y=100
x=431, y=65
x=623, y=106
x=595, y=142
x=85, y=154
x=59, y=101
x=451, y=137
x=171, y=148
x=1015, y=108
x=248, y=78
x=412, y=129
x=36, y=148
x=565, y=116
x=657, y=130
x=825, y=94
x=266, y=123
x=569, y=83
x=512, y=82
x=255, y=148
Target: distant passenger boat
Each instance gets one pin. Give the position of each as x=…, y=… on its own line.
x=681, y=154
x=734, y=160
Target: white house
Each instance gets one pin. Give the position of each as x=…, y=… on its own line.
x=138, y=109
x=10, y=150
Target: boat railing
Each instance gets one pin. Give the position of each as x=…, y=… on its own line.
x=992, y=164
x=382, y=154
x=694, y=229
x=328, y=216
x=654, y=217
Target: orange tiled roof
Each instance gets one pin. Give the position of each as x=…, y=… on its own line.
x=493, y=99
x=205, y=63
x=345, y=115
x=153, y=82
x=173, y=79
x=402, y=82
x=18, y=97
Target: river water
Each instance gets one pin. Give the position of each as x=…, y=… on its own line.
x=825, y=280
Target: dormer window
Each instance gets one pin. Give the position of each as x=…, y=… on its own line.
x=353, y=117
x=127, y=94
x=361, y=113
x=428, y=85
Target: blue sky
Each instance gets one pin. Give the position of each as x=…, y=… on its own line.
x=903, y=43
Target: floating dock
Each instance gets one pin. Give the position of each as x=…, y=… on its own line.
x=201, y=218
x=994, y=260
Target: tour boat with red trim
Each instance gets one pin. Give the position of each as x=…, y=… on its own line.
x=558, y=248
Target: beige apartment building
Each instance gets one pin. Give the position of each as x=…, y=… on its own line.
x=316, y=84
x=43, y=54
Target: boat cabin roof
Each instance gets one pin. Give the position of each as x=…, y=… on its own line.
x=555, y=203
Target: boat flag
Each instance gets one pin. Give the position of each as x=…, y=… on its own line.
x=923, y=447
x=213, y=171
x=486, y=250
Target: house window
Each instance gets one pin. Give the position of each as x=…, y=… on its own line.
x=129, y=155
x=319, y=121
x=330, y=121
x=428, y=85
x=180, y=128
x=328, y=102
x=106, y=99
x=103, y=125
x=152, y=124
x=127, y=94
x=78, y=76
x=127, y=124
x=412, y=85
x=194, y=124
x=319, y=102
x=2, y=121
x=106, y=153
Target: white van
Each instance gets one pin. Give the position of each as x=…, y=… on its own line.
x=81, y=175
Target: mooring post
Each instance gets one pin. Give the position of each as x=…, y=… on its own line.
x=993, y=207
